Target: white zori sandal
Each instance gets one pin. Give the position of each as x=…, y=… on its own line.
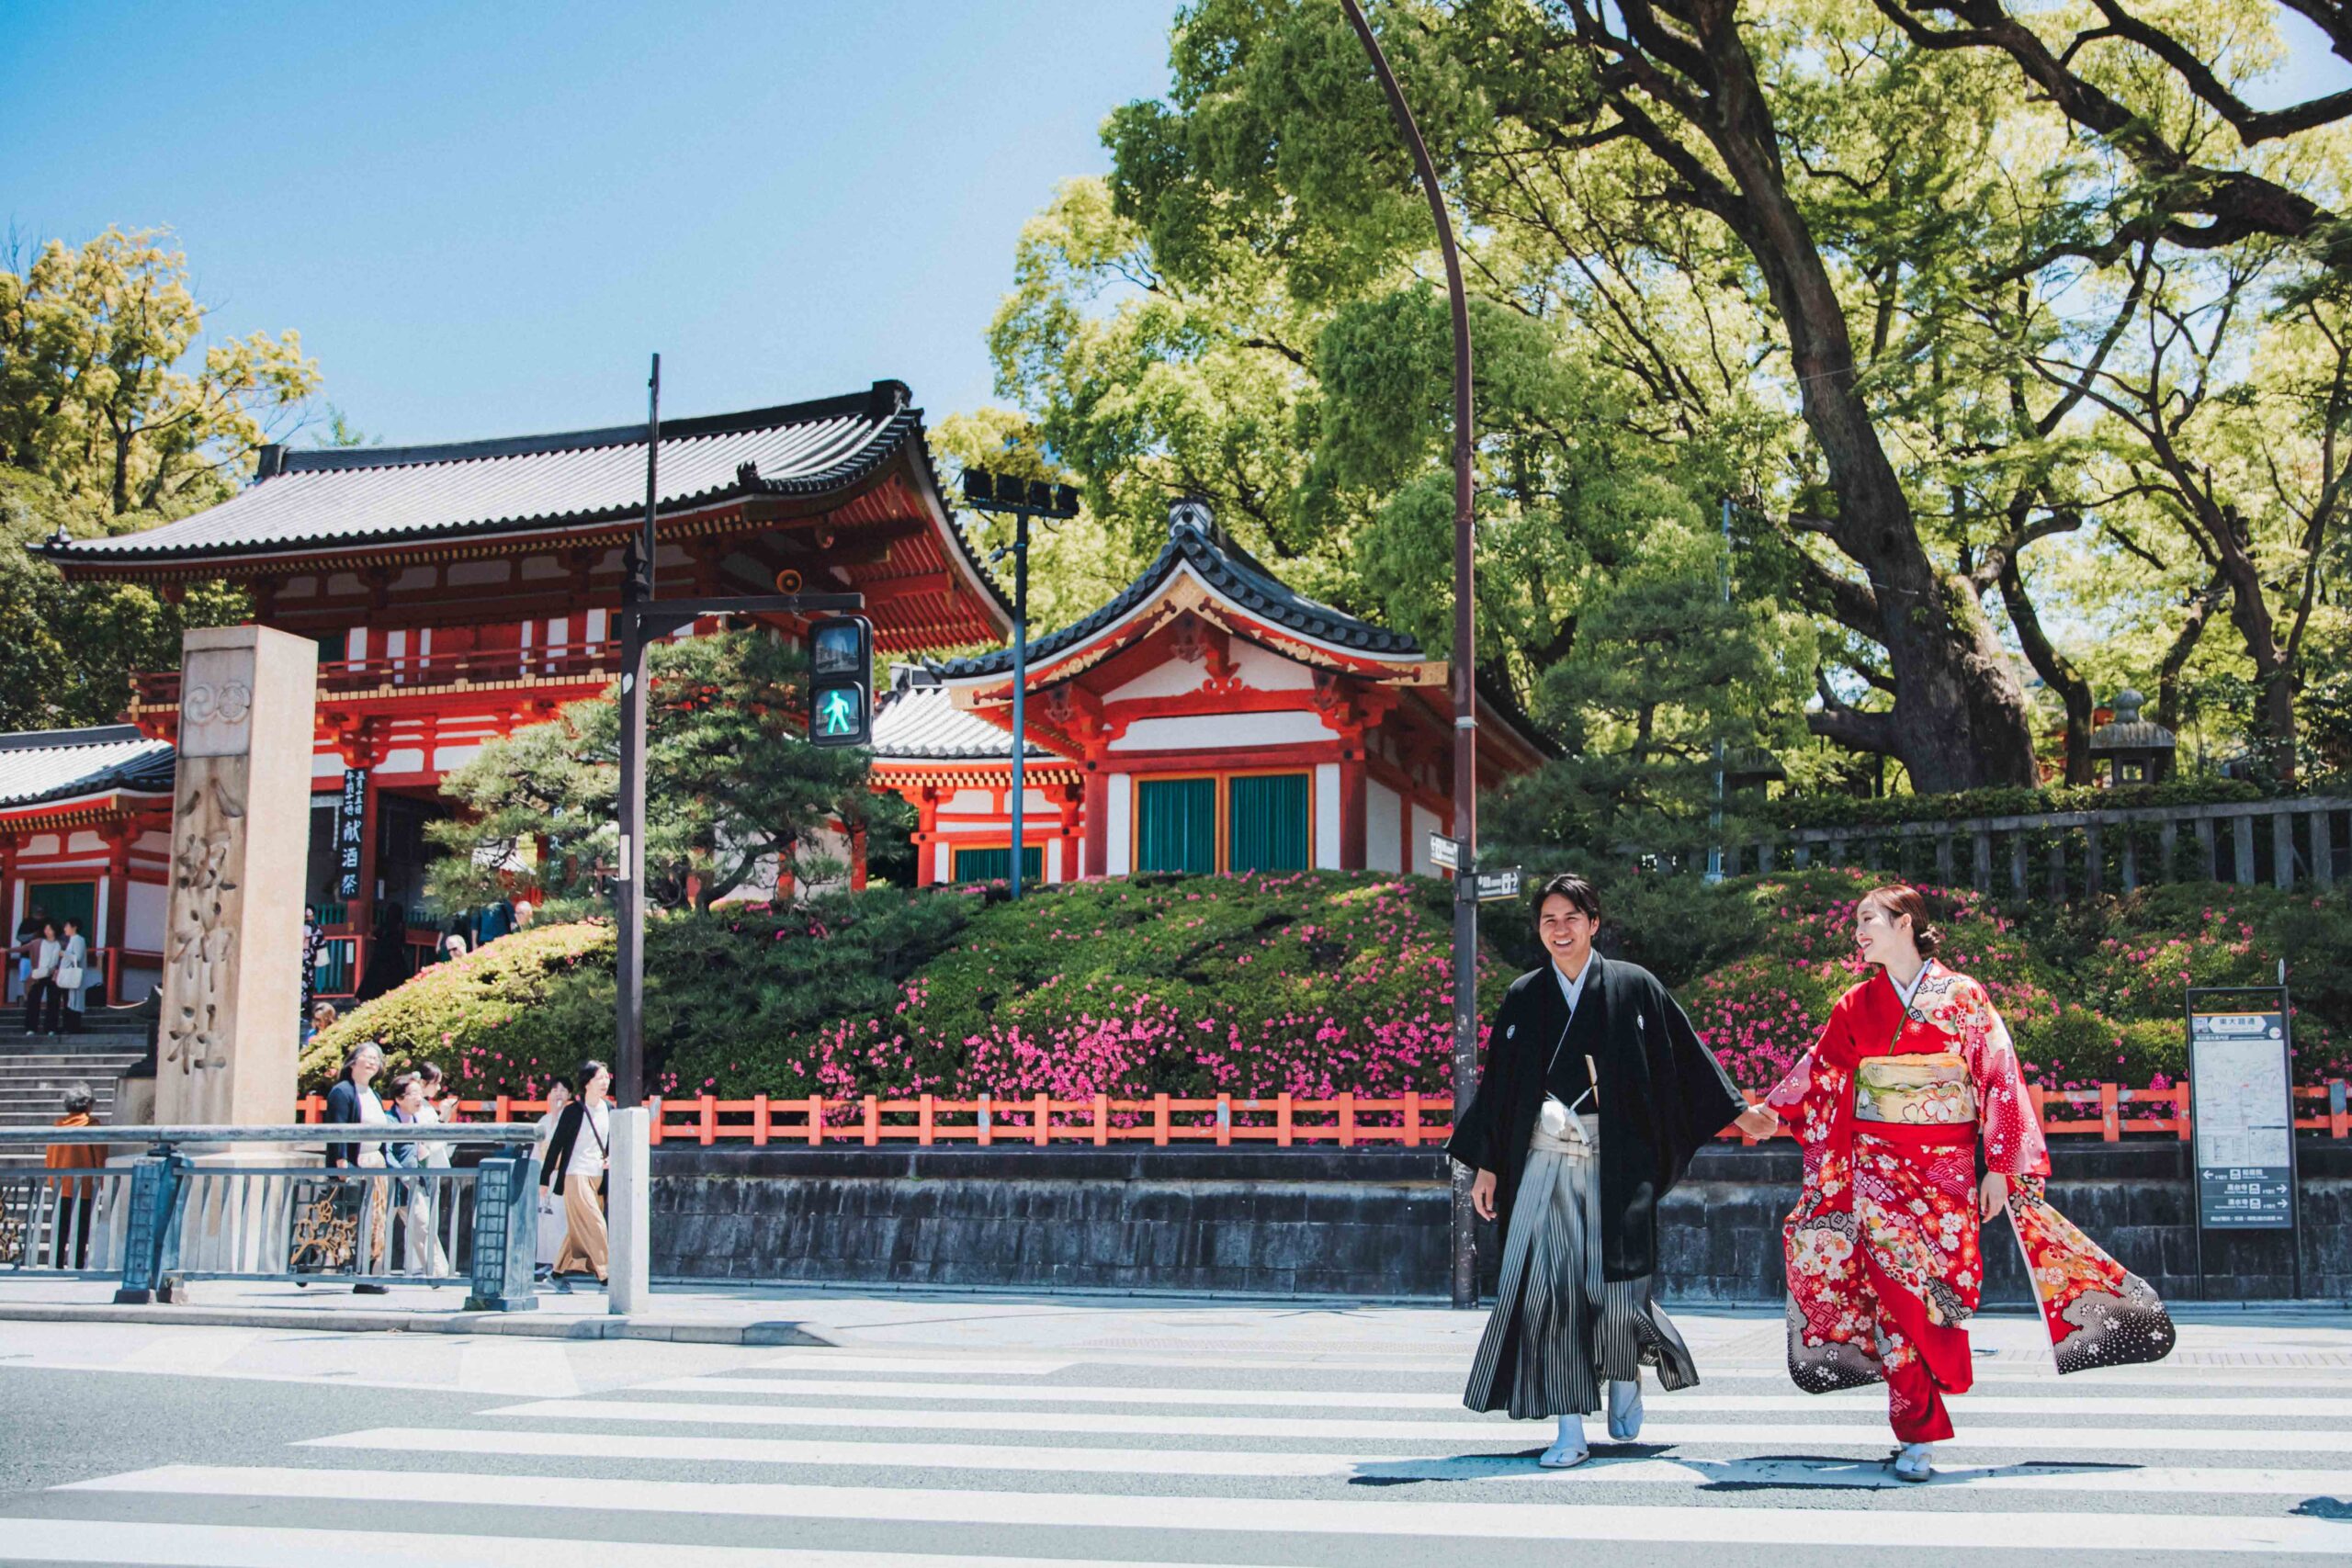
x=1569, y=1449
x=1911, y=1461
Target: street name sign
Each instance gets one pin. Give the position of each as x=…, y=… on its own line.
x=1493, y=886
x=1445, y=853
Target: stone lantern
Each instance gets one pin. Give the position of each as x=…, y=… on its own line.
x=2131, y=749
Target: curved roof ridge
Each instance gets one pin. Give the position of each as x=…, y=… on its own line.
x=344, y=460
x=1233, y=573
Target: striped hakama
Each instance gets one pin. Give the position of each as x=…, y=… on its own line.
x=1558, y=1328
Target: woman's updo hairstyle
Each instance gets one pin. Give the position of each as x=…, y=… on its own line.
x=1900, y=898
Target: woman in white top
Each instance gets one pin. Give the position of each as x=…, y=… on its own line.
x=71, y=977
x=551, y=1225
x=576, y=1159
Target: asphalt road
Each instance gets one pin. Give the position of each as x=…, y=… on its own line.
x=1140, y=1432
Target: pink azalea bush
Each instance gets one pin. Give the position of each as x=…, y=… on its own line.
x=1310, y=982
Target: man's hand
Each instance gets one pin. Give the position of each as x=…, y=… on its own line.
x=1757, y=1122
x=1993, y=1196
x=1482, y=1194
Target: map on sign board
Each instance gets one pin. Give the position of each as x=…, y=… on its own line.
x=2242, y=1112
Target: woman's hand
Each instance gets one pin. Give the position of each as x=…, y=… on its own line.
x=1757, y=1122
x=1993, y=1196
x=1482, y=1194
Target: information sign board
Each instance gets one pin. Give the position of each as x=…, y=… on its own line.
x=1445, y=853
x=2242, y=1109
x=350, y=827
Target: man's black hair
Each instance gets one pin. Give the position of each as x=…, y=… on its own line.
x=1575, y=889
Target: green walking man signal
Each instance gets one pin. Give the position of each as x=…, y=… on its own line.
x=841, y=682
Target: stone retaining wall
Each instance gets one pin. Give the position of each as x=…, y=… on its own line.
x=1364, y=1222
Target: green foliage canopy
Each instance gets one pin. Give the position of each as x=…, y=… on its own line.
x=734, y=789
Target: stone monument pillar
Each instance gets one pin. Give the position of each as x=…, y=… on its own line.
x=232, y=952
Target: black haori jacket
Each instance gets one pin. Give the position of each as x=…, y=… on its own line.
x=1662, y=1096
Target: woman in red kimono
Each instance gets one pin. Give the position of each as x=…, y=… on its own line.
x=1913, y=1068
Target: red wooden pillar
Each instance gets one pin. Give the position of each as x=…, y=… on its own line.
x=1096, y=812
x=1352, y=805
x=926, y=834
x=9, y=846
x=857, y=858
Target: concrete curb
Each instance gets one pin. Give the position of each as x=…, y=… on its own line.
x=331, y=1321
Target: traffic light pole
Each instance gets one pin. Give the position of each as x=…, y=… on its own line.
x=645, y=621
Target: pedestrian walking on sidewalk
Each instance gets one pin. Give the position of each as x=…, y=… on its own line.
x=1596, y=1094
x=1912, y=1071
x=550, y=1210
x=577, y=1156
x=76, y=1195
x=351, y=1102
x=421, y=1246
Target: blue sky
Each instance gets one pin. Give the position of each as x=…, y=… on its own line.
x=482, y=218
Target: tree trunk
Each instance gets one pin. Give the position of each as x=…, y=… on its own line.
x=2055, y=669
x=1960, y=720
x=2192, y=629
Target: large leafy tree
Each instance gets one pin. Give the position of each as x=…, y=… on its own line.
x=1717, y=257
x=115, y=415
x=733, y=788
x=107, y=390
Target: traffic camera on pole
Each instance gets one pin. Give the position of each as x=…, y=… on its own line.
x=841, y=685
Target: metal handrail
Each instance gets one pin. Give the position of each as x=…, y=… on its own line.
x=313, y=1133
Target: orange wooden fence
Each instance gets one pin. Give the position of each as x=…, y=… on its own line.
x=1346, y=1121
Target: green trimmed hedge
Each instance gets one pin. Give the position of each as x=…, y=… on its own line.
x=1312, y=983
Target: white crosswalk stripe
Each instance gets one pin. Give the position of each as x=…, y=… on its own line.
x=1061, y=1510
x=1868, y=1475
x=1468, y=1430
x=870, y=1457
x=1392, y=1399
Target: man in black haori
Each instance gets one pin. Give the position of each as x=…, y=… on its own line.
x=1596, y=1094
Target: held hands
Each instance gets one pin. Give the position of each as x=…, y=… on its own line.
x=1757, y=1122
x=1993, y=1196
x=1482, y=1194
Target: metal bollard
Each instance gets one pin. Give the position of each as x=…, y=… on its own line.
x=628, y=1204
x=150, y=1247
x=506, y=1230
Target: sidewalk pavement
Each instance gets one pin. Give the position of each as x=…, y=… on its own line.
x=1058, y=1322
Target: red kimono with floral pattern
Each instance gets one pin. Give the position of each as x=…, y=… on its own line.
x=1885, y=1263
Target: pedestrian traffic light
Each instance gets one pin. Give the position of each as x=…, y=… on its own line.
x=841, y=683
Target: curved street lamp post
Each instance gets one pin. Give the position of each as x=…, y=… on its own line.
x=1465, y=711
